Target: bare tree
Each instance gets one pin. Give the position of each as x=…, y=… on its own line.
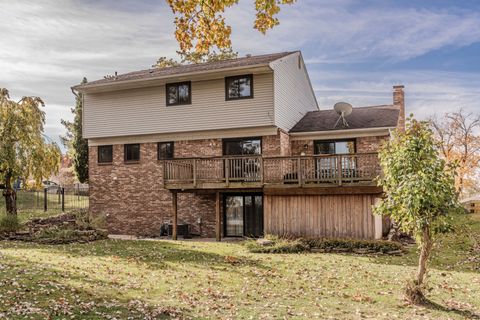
x=459, y=137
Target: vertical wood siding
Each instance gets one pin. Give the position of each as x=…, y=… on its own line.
x=144, y=111
x=294, y=96
x=335, y=216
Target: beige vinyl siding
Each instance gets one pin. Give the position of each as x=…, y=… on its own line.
x=294, y=95
x=143, y=110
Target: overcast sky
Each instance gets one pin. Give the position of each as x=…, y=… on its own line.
x=355, y=50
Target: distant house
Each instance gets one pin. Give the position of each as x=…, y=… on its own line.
x=472, y=204
x=230, y=149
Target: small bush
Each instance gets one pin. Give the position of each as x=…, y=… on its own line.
x=276, y=244
x=86, y=221
x=57, y=234
x=9, y=223
x=352, y=245
x=98, y=221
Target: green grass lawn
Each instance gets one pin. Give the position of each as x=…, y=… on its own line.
x=115, y=279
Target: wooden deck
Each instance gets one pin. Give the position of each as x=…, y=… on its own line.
x=257, y=172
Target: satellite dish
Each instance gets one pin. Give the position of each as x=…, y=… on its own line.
x=343, y=109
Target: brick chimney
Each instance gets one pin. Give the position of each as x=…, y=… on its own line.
x=399, y=101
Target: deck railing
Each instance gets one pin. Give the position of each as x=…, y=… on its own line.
x=257, y=171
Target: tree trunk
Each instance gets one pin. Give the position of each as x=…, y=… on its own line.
x=414, y=291
x=10, y=196
x=424, y=255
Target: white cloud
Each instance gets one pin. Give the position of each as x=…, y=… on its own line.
x=427, y=93
x=47, y=46
x=334, y=31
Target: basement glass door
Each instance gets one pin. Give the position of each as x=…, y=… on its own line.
x=243, y=215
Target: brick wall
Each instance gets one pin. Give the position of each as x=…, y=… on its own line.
x=370, y=144
x=198, y=148
x=132, y=195
x=133, y=198
x=302, y=146
x=285, y=145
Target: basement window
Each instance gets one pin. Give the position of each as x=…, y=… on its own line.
x=239, y=87
x=165, y=150
x=132, y=152
x=105, y=154
x=179, y=93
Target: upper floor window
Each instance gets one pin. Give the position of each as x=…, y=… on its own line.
x=179, y=93
x=334, y=147
x=105, y=154
x=165, y=150
x=132, y=152
x=239, y=87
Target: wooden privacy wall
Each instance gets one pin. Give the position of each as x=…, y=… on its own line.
x=341, y=216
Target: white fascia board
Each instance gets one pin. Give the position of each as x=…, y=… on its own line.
x=340, y=134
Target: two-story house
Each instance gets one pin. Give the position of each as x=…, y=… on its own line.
x=232, y=148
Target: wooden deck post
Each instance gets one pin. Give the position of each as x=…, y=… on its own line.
x=299, y=172
x=175, y=213
x=227, y=171
x=218, y=224
x=339, y=170
x=194, y=173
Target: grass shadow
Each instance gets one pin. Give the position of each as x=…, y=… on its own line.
x=155, y=254
x=47, y=293
x=456, y=251
x=468, y=314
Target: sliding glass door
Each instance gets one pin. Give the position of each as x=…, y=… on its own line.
x=327, y=167
x=247, y=167
x=234, y=216
x=243, y=215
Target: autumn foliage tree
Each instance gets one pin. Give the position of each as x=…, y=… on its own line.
x=194, y=57
x=23, y=149
x=419, y=187
x=203, y=34
x=201, y=26
x=459, y=136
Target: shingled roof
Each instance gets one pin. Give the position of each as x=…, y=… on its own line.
x=190, y=68
x=360, y=118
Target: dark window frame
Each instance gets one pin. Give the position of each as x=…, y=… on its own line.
x=224, y=141
x=245, y=194
x=158, y=150
x=98, y=153
x=334, y=141
x=227, y=79
x=177, y=84
x=125, y=146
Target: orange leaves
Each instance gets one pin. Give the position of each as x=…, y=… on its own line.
x=459, y=143
x=266, y=11
x=201, y=27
